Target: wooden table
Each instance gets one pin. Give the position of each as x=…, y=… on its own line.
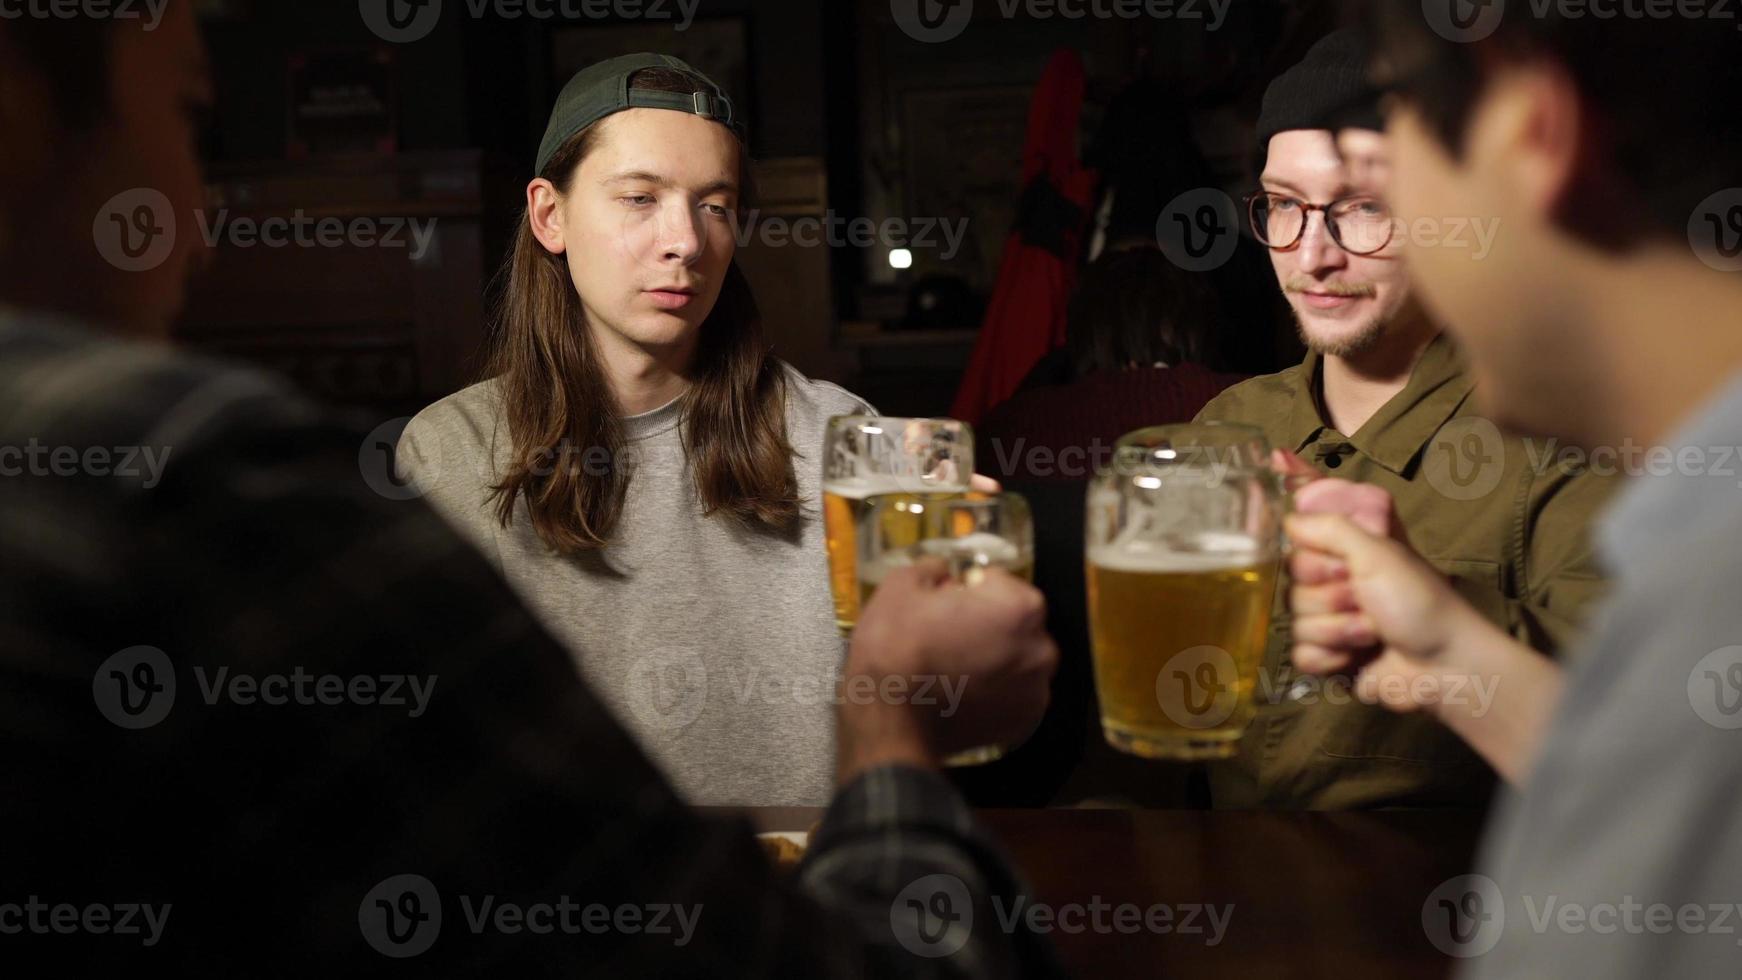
x=1334, y=895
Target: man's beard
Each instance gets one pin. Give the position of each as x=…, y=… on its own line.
x=1352, y=345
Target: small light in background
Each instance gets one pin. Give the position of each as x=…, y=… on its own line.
x=900, y=258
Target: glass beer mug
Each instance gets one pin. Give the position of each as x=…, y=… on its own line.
x=1183, y=543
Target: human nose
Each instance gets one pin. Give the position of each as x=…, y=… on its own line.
x=681, y=234
x=1318, y=249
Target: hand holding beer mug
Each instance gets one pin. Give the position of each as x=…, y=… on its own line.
x=864, y=456
x=968, y=533
x=1184, y=538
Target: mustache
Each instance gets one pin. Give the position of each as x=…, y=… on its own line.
x=1298, y=283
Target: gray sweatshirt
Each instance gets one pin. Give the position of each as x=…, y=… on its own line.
x=715, y=645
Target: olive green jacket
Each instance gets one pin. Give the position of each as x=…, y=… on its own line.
x=1508, y=526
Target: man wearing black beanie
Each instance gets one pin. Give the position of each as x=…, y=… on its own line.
x=1383, y=400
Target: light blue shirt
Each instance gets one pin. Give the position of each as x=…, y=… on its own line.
x=1622, y=857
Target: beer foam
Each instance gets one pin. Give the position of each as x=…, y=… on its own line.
x=1208, y=552
x=860, y=487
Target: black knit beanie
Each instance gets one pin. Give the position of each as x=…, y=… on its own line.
x=1329, y=89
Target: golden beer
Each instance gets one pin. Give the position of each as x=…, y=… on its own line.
x=969, y=532
x=845, y=504
x=1178, y=636
x=966, y=557
x=867, y=455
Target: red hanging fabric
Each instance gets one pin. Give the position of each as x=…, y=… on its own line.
x=1026, y=315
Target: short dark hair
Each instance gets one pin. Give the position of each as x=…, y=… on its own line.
x=1135, y=307
x=1660, y=92
x=71, y=55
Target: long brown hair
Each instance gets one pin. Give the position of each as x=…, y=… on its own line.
x=563, y=420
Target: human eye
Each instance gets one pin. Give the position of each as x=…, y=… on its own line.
x=1366, y=207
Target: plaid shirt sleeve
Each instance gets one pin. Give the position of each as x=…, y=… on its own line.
x=370, y=760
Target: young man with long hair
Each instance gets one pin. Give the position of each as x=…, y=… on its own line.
x=256, y=551
x=639, y=466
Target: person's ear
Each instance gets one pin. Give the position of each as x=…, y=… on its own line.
x=1529, y=127
x=544, y=212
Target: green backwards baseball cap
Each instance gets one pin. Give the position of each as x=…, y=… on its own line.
x=602, y=89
